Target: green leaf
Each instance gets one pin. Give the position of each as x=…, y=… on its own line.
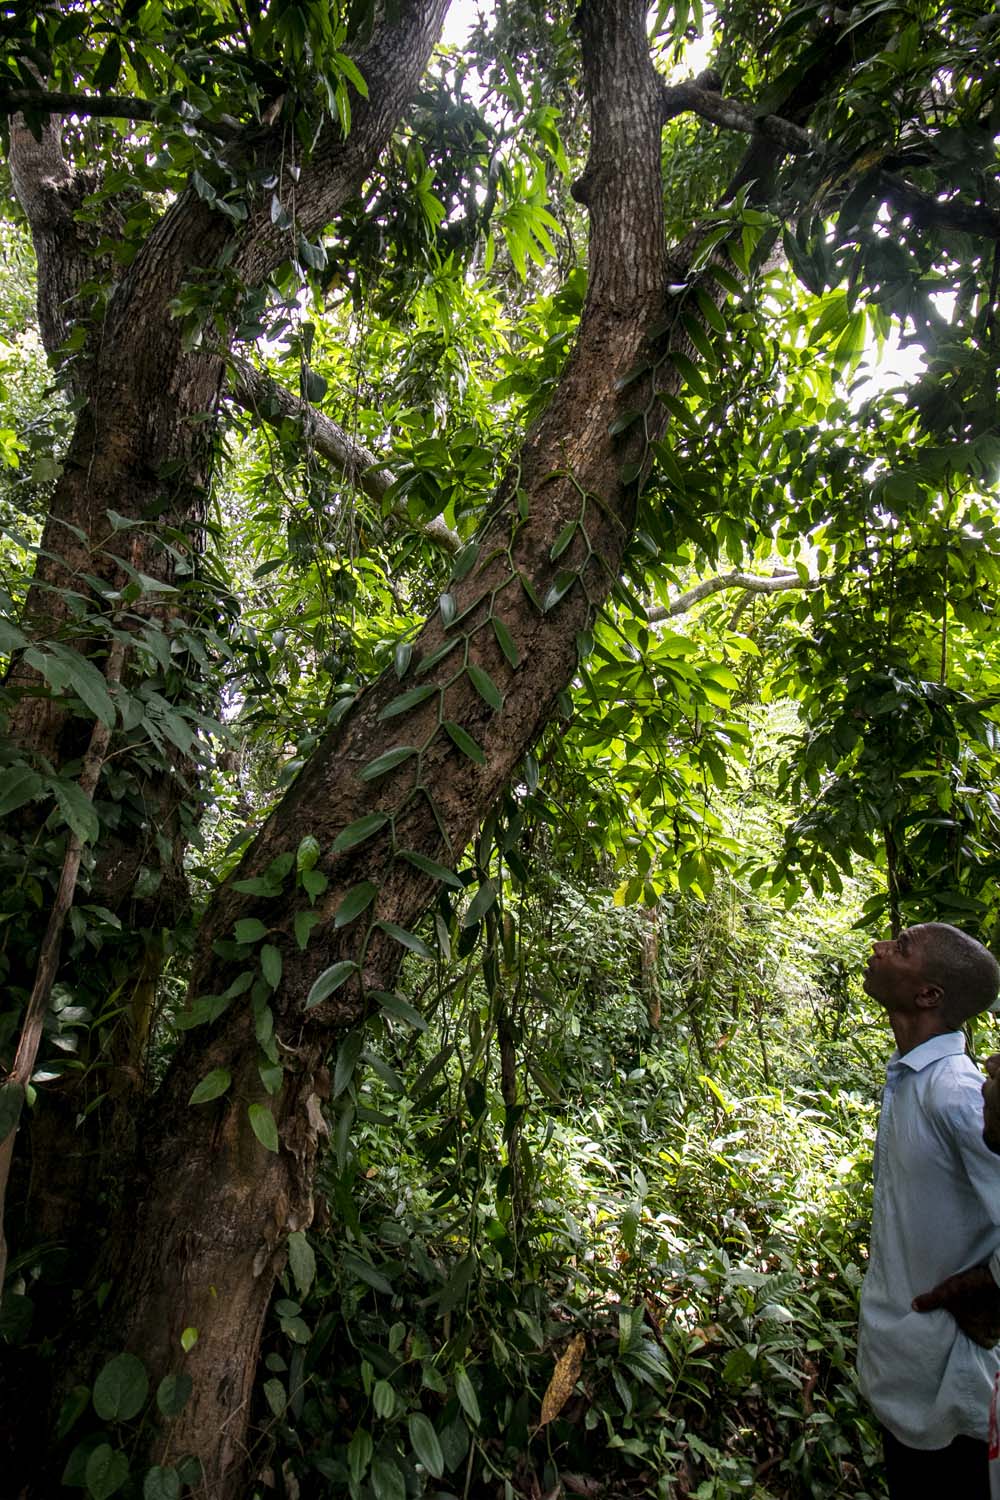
x=359, y=1454
x=394, y=1005
x=330, y=980
x=432, y=868
x=356, y=900
x=303, y=925
x=211, y=1086
x=464, y=741
x=505, y=640
x=622, y=423
x=189, y=1338
x=386, y=762
x=250, y=930
x=71, y=1410
x=301, y=1261
x=173, y=1392
x=407, y=939
x=563, y=540
x=387, y=1481
x=481, y=903
x=107, y=1471
x=425, y=1444
x=307, y=853
x=347, y=1060
x=485, y=686
x=161, y=1484
x=88, y=683
x=448, y=608
x=18, y=785
x=274, y=1393
x=263, y=1125
x=11, y=1102
x=363, y=1270
x=558, y=589
x=467, y=1396
x=401, y=658
x=270, y=963
x=121, y=1388
x=78, y=811
x=359, y=830
x=408, y=700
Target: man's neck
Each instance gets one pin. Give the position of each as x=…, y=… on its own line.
x=912, y=1030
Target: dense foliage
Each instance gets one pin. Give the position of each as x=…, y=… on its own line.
x=592, y=1196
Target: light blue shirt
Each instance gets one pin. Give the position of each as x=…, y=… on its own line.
x=936, y=1212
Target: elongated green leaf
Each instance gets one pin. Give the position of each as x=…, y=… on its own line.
x=463, y=739
x=407, y=939
x=211, y=1086
x=505, y=640
x=485, y=686
x=301, y=1261
x=394, y=1005
x=271, y=965
x=558, y=589
x=410, y=699
x=357, y=899
x=467, y=1396
x=365, y=1271
x=87, y=683
x=347, y=1060
x=78, y=811
x=432, y=868
x=330, y=980
x=388, y=761
x=481, y=903
x=263, y=1125
x=425, y=1444
x=359, y=830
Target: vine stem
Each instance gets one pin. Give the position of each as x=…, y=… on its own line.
x=48, y=958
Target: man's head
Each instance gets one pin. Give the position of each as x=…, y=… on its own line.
x=933, y=968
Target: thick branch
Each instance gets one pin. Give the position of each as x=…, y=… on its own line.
x=748, y=582
x=263, y=397
x=924, y=208
x=101, y=106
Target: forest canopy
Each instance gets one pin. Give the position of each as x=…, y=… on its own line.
x=499, y=569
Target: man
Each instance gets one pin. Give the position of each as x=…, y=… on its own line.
x=926, y=1363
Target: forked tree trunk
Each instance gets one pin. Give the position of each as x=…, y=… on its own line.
x=206, y=1234
x=142, y=453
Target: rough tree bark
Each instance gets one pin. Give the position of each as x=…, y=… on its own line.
x=202, y=1238
x=213, y=1206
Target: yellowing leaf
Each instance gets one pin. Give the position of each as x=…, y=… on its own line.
x=564, y=1378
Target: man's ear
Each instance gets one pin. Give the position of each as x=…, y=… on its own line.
x=929, y=996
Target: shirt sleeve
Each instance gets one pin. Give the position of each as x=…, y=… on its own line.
x=961, y=1113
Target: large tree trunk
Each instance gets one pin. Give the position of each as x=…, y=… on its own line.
x=143, y=451
x=207, y=1231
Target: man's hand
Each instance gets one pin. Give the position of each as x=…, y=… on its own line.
x=973, y=1299
x=991, y=1104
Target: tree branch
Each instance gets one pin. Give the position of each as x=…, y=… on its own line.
x=926, y=210
x=263, y=397
x=748, y=582
x=103, y=106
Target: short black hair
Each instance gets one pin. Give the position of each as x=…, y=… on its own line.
x=966, y=973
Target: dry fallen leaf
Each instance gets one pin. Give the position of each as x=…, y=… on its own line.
x=564, y=1378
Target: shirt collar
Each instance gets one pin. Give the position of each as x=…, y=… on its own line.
x=947, y=1044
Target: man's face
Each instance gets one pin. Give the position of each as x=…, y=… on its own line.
x=895, y=972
